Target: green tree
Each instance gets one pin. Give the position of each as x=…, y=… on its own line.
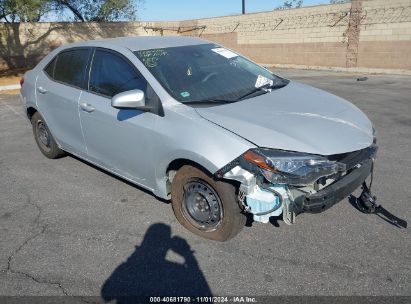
x=291, y=4
x=98, y=10
x=12, y=11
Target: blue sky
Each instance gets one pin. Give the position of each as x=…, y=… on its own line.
x=159, y=10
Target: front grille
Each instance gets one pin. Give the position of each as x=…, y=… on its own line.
x=352, y=159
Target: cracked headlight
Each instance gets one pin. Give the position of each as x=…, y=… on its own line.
x=293, y=168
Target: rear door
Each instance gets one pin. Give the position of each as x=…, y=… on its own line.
x=117, y=139
x=58, y=90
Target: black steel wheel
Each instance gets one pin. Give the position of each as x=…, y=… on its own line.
x=43, y=135
x=201, y=205
x=205, y=206
x=44, y=139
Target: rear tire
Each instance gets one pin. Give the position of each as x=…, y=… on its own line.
x=44, y=139
x=206, y=207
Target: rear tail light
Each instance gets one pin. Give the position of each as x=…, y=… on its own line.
x=21, y=81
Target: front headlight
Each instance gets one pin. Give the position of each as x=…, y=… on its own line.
x=293, y=168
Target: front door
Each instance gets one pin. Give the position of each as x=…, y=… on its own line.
x=119, y=140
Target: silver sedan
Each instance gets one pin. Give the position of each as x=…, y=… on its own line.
x=197, y=123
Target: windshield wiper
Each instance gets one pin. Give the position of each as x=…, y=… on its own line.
x=205, y=101
x=264, y=89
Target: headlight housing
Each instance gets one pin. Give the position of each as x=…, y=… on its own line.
x=293, y=168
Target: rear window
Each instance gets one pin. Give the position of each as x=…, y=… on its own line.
x=70, y=67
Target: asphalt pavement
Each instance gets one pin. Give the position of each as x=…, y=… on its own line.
x=68, y=228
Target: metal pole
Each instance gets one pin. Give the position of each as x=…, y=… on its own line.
x=243, y=7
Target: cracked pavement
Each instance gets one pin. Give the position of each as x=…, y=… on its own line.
x=66, y=226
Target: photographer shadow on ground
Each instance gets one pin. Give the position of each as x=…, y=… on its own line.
x=147, y=272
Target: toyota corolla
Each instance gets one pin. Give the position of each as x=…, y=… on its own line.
x=197, y=123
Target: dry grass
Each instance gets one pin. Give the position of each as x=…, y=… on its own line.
x=11, y=92
x=8, y=80
x=11, y=77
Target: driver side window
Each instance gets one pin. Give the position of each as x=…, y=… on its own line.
x=111, y=74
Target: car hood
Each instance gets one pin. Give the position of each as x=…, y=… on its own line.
x=296, y=118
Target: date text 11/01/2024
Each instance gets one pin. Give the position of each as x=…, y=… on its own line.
x=235, y=299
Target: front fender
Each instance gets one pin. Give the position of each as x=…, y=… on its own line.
x=183, y=134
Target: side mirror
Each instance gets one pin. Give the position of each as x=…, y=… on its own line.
x=133, y=99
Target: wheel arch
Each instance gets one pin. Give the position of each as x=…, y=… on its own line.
x=166, y=169
x=30, y=111
x=178, y=163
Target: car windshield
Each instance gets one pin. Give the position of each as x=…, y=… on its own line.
x=208, y=73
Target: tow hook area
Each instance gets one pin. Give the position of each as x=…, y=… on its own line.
x=367, y=203
x=289, y=211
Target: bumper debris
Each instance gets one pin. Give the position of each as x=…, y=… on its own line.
x=264, y=198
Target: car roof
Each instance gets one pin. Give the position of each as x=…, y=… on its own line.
x=142, y=42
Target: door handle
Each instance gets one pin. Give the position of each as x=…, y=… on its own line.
x=86, y=107
x=41, y=90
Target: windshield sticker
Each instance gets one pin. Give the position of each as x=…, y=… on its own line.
x=263, y=81
x=185, y=94
x=225, y=53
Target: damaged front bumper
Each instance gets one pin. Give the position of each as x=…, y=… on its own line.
x=265, y=199
x=334, y=193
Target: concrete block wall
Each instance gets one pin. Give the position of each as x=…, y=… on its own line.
x=363, y=34
x=385, y=35
x=304, y=36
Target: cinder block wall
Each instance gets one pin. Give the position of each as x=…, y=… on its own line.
x=313, y=36
x=385, y=35
x=363, y=34
x=372, y=34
